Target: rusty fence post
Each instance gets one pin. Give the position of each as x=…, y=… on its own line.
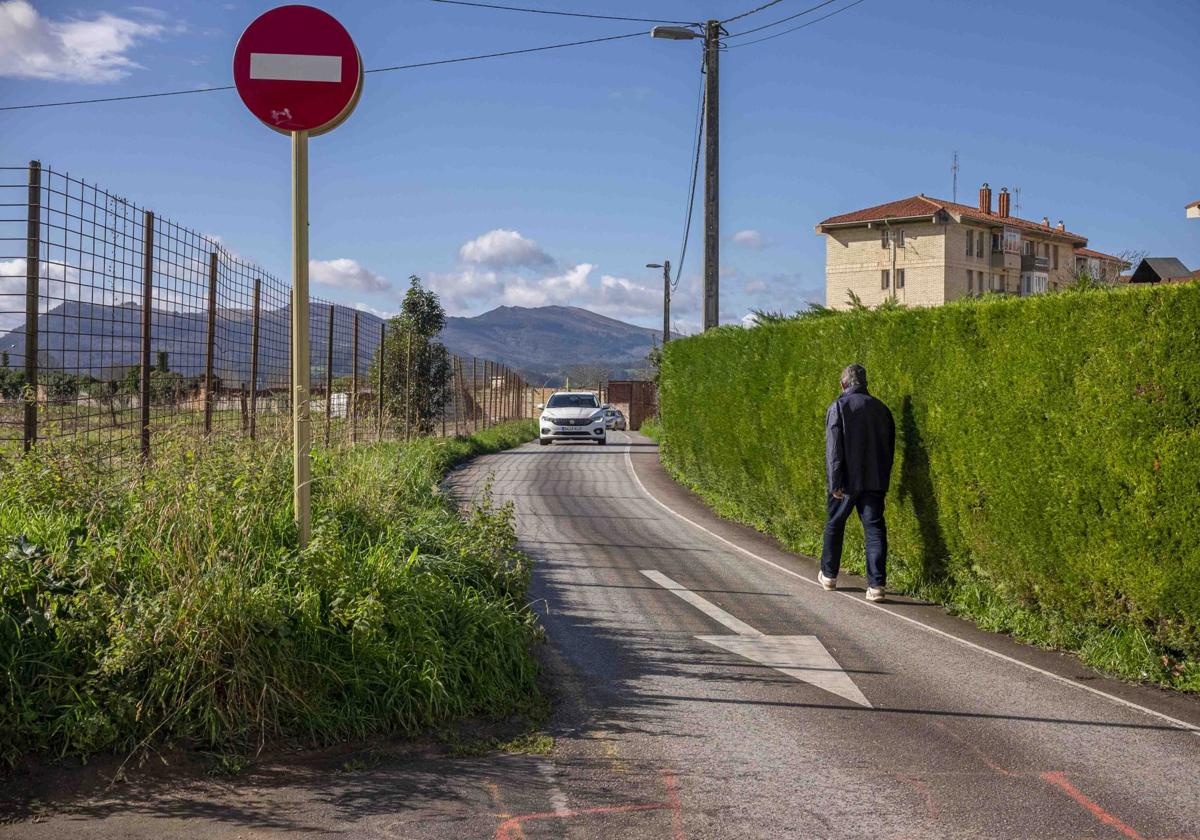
x=147, y=310
x=210, y=343
x=254, y=330
x=379, y=386
x=329, y=375
x=245, y=408
x=33, y=259
x=352, y=404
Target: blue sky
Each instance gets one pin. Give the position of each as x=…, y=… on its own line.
x=554, y=177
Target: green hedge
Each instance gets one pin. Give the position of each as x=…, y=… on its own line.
x=1048, y=457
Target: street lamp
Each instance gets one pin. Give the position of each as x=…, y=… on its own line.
x=674, y=33
x=666, y=267
x=712, y=217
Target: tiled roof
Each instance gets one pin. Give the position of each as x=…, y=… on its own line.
x=1194, y=204
x=920, y=205
x=1088, y=252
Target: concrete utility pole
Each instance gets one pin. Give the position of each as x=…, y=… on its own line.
x=665, y=265
x=712, y=210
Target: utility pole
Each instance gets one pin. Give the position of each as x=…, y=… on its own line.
x=666, y=301
x=666, y=267
x=712, y=215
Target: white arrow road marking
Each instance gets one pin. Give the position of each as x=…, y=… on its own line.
x=284, y=67
x=801, y=657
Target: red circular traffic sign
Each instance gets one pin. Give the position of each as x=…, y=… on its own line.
x=297, y=69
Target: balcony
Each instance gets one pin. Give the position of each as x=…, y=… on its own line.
x=1032, y=263
x=1006, y=259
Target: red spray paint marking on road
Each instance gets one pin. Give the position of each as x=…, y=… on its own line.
x=1060, y=780
x=508, y=829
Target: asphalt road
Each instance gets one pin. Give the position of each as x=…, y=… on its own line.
x=707, y=688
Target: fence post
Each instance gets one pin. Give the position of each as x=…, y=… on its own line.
x=147, y=308
x=489, y=371
x=33, y=258
x=441, y=397
x=211, y=342
x=352, y=405
x=408, y=370
x=254, y=327
x=474, y=405
x=245, y=417
x=329, y=375
x=379, y=395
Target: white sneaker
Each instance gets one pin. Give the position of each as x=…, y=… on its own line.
x=829, y=584
x=875, y=593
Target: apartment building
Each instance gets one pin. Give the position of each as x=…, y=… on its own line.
x=925, y=251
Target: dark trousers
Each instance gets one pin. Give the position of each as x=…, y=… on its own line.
x=870, y=510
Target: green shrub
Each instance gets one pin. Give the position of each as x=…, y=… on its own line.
x=171, y=604
x=1048, y=457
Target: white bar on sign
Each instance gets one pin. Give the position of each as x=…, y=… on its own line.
x=296, y=68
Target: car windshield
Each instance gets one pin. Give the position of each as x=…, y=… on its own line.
x=572, y=401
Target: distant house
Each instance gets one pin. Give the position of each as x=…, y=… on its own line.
x=1193, y=210
x=1161, y=270
x=924, y=251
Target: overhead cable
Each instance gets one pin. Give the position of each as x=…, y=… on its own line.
x=795, y=28
x=375, y=70
x=761, y=8
x=556, y=12
x=809, y=10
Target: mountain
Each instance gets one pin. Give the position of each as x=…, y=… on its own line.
x=543, y=341
x=104, y=341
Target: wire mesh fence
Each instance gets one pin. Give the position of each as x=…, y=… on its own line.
x=119, y=326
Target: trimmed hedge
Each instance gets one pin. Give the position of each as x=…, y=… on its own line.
x=1048, y=457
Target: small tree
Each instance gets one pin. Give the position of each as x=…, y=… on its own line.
x=417, y=372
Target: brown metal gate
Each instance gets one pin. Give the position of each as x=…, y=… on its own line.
x=637, y=398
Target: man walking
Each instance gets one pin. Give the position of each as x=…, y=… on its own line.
x=860, y=441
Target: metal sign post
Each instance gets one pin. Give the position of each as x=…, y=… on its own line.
x=297, y=69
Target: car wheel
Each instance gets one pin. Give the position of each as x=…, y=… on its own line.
x=544, y=441
x=603, y=440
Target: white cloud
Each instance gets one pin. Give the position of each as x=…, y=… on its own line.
x=502, y=248
x=750, y=239
x=347, y=274
x=371, y=310
x=93, y=50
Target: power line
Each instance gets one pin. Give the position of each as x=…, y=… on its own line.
x=375, y=70
x=553, y=12
x=687, y=225
x=507, y=52
x=809, y=10
x=761, y=8
x=794, y=28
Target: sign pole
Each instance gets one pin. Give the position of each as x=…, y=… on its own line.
x=301, y=421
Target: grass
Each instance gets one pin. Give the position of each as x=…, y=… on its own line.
x=171, y=605
x=652, y=428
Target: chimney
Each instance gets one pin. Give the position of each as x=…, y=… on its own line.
x=985, y=199
x=1004, y=202
x=1045, y=221
x=1060, y=225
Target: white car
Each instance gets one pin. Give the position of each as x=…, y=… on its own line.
x=614, y=419
x=572, y=415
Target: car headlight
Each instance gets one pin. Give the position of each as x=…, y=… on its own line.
x=599, y=415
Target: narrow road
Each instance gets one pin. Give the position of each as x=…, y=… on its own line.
x=929, y=728
x=706, y=687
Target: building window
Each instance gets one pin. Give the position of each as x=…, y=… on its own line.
x=979, y=245
x=995, y=242
x=970, y=282
x=900, y=238
x=1056, y=249
x=884, y=239
x=885, y=279
x=970, y=244
x=899, y=278
x=1027, y=248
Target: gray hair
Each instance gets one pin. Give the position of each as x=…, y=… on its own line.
x=854, y=375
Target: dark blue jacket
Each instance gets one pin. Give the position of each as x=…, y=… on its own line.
x=860, y=442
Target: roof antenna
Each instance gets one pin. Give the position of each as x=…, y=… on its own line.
x=954, y=169
x=1017, y=202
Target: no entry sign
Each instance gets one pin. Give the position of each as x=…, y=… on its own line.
x=297, y=69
